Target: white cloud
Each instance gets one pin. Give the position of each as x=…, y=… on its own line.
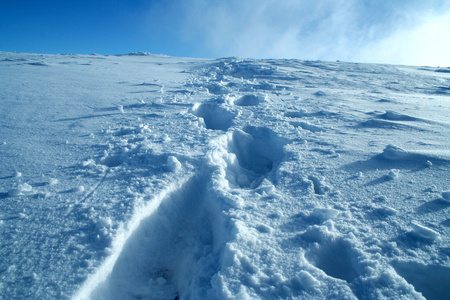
x=352, y=30
x=265, y=28
x=427, y=43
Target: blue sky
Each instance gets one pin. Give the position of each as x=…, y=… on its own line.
x=385, y=31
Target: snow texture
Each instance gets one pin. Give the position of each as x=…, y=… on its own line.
x=151, y=177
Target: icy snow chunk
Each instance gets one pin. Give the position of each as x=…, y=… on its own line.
x=392, y=152
x=173, y=163
x=78, y=189
x=393, y=174
x=446, y=195
x=316, y=233
x=307, y=280
x=323, y=214
x=21, y=190
x=266, y=187
x=386, y=211
x=12, y=269
x=307, y=126
x=126, y=130
x=166, y=138
x=424, y=232
x=424, y=157
x=53, y=181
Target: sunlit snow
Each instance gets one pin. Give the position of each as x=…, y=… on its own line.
x=151, y=177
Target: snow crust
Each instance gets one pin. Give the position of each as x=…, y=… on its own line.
x=151, y=177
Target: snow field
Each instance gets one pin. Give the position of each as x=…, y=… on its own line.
x=225, y=179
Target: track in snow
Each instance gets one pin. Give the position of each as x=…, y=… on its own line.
x=247, y=178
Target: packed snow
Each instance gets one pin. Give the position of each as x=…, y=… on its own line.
x=151, y=177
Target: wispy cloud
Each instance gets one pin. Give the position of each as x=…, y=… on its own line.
x=424, y=43
x=408, y=32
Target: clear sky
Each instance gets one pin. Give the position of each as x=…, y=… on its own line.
x=413, y=32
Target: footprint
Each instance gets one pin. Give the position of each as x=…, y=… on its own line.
x=168, y=251
x=319, y=185
x=214, y=116
x=113, y=160
x=217, y=88
x=335, y=258
x=250, y=100
x=258, y=150
x=432, y=281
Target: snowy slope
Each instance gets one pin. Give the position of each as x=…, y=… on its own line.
x=151, y=177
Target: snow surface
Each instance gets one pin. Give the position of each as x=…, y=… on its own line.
x=151, y=177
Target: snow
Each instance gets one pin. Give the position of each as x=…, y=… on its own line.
x=446, y=195
x=424, y=232
x=151, y=177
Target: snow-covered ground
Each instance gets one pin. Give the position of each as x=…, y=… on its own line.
x=152, y=177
